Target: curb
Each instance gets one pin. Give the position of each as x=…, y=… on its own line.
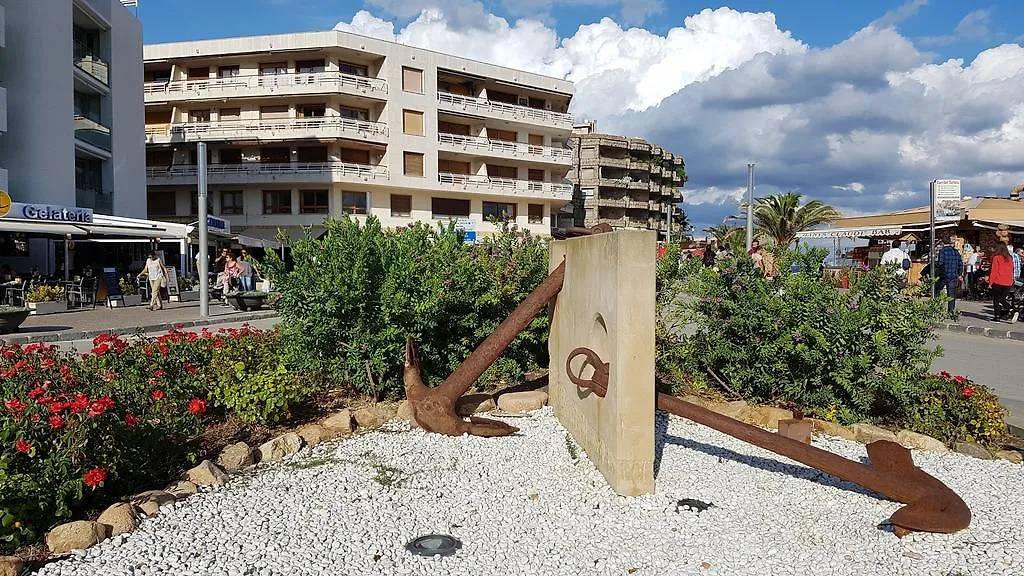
x=986, y=332
x=71, y=336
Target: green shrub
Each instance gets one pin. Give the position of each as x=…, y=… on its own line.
x=248, y=377
x=44, y=293
x=855, y=355
x=956, y=409
x=355, y=293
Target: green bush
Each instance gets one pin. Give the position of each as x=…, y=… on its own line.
x=355, y=293
x=797, y=340
x=956, y=409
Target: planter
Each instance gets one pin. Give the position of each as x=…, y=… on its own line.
x=129, y=300
x=41, y=308
x=188, y=296
x=246, y=301
x=12, y=318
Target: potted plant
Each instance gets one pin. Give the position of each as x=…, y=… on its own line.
x=188, y=290
x=11, y=318
x=43, y=299
x=129, y=291
x=246, y=301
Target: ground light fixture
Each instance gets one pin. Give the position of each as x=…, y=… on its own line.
x=434, y=545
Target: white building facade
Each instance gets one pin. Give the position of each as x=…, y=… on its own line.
x=300, y=127
x=71, y=111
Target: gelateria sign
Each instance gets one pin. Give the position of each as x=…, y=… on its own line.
x=43, y=212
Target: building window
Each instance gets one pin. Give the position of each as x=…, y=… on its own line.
x=229, y=71
x=162, y=203
x=452, y=167
x=199, y=115
x=413, y=164
x=310, y=66
x=273, y=68
x=500, y=211
x=230, y=155
x=353, y=202
x=230, y=202
x=194, y=206
x=452, y=128
x=277, y=201
x=502, y=135
x=229, y=114
x=498, y=171
x=535, y=213
x=313, y=154
x=354, y=156
x=275, y=155
x=412, y=80
x=13, y=245
x=360, y=114
x=412, y=122
x=199, y=73
x=444, y=208
x=273, y=112
x=401, y=206
x=310, y=110
x=314, y=202
x=352, y=69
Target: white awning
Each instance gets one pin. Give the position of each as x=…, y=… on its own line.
x=995, y=225
x=864, y=232
x=39, y=227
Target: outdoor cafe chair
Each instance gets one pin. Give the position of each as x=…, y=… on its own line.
x=16, y=294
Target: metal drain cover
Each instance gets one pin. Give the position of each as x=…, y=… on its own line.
x=434, y=545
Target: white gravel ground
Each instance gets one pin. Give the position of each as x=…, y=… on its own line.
x=523, y=505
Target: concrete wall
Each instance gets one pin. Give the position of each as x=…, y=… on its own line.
x=128, y=164
x=36, y=69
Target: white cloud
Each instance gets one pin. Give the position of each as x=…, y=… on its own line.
x=976, y=25
x=904, y=11
x=864, y=124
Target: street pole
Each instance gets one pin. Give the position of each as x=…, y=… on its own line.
x=750, y=206
x=931, y=224
x=204, y=256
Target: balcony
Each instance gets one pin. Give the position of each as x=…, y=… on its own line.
x=269, y=85
x=99, y=200
x=94, y=67
x=260, y=173
x=487, y=108
x=638, y=185
x=614, y=162
x=505, y=186
x=512, y=150
x=283, y=129
x=92, y=132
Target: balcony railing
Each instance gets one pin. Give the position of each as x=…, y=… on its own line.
x=504, y=148
x=268, y=84
x=92, y=132
x=94, y=67
x=506, y=185
x=501, y=110
x=285, y=128
x=230, y=173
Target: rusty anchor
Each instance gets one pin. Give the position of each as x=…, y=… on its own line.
x=931, y=506
x=434, y=408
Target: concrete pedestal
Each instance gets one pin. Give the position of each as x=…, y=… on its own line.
x=607, y=304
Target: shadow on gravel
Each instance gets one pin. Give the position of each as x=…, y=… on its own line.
x=766, y=464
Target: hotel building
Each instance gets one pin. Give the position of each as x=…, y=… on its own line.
x=300, y=127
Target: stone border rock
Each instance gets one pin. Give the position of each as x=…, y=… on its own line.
x=865, y=433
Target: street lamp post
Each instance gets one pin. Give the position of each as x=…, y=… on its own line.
x=750, y=205
x=204, y=256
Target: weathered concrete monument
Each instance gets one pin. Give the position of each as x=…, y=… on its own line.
x=601, y=383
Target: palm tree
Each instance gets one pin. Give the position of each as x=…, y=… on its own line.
x=730, y=236
x=781, y=216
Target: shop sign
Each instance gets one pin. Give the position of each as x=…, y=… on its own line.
x=219, y=225
x=44, y=212
x=468, y=228
x=946, y=200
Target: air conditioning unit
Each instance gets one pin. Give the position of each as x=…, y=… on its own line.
x=524, y=101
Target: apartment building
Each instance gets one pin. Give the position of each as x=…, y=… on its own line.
x=71, y=116
x=627, y=183
x=304, y=126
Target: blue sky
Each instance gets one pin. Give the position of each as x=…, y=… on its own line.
x=857, y=103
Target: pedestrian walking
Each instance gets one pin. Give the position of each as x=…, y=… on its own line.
x=1000, y=280
x=156, y=273
x=948, y=268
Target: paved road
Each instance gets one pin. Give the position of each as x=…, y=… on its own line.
x=998, y=364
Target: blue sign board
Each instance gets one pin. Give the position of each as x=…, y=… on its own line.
x=220, y=225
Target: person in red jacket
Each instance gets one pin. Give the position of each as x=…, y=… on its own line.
x=1000, y=279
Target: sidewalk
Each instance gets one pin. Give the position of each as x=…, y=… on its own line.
x=88, y=322
x=976, y=320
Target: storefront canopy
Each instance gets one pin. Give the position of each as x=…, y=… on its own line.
x=102, y=226
x=981, y=211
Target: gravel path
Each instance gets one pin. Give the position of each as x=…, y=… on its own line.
x=524, y=505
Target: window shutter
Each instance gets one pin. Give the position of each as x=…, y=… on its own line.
x=412, y=80
x=413, y=164
x=412, y=122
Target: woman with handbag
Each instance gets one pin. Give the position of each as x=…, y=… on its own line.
x=156, y=272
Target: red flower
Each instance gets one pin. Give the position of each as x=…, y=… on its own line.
x=197, y=406
x=164, y=350
x=45, y=400
x=157, y=394
x=56, y=422
x=960, y=379
x=9, y=354
x=968, y=392
x=147, y=351
x=159, y=373
x=95, y=477
x=100, y=406
x=37, y=392
x=130, y=420
x=218, y=343
x=47, y=364
x=36, y=418
x=945, y=374
x=15, y=405
x=59, y=407
x=79, y=404
x=101, y=339
x=101, y=349
x=22, y=446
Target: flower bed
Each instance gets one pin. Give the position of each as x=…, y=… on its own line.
x=77, y=432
